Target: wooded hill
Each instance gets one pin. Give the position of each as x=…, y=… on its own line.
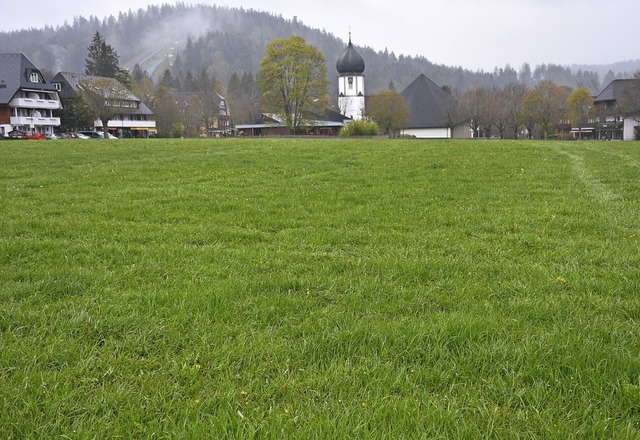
x=227, y=40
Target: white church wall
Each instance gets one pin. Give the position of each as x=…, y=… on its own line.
x=428, y=133
x=352, y=107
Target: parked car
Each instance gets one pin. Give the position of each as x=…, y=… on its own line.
x=71, y=135
x=96, y=134
x=35, y=135
x=51, y=136
x=91, y=134
x=16, y=134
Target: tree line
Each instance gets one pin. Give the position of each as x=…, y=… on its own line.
x=544, y=110
x=292, y=81
x=231, y=41
x=183, y=107
x=513, y=111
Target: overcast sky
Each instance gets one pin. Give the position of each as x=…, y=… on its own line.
x=474, y=34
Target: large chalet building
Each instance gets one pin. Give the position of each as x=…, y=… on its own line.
x=27, y=100
x=132, y=117
x=29, y=103
x=610, y=123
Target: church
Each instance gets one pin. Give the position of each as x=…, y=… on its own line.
x=351, y=98
x=430, y=108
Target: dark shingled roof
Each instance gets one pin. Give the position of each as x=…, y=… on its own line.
x=350, y=62
x=613, y=91
x=427, y=103
x=71, y=82
x=15, y=70
x=75, y=80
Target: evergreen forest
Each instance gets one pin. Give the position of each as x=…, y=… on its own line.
x=184, y=39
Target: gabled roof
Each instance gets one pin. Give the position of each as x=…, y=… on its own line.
x=614, y=90
x=143, y=109
x=68, y=83
x=328, y=115
x=182, y=98
x=15, y=73
x=72, y=82
x=427, y=103
x=76, y=80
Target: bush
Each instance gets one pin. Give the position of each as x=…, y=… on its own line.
x=360, y=128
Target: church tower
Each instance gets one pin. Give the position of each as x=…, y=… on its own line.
x=350, y=67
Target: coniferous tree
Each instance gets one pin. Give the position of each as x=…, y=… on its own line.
x=168, y=81
x=75, y=115
x=103, y=60
x=141, y=84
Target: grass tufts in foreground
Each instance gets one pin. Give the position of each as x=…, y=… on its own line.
x=319, y=289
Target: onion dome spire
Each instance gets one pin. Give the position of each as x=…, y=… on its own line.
x=350, y=62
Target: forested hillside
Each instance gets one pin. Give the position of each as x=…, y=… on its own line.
x=186, y=38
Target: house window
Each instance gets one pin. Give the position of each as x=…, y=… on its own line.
x=57, y=86
x=34, y=77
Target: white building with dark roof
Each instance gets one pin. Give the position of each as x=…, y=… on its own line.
x=613, y=121
x=27, y=100
x=351, y=99
x=431, y=110
x=132, y=116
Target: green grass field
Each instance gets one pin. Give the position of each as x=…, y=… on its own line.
x=319, y=289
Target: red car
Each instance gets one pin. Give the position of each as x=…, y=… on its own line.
x=35, y=135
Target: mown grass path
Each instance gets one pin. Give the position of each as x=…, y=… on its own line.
x=319, y=289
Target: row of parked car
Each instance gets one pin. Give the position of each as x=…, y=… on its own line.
x=36, y=135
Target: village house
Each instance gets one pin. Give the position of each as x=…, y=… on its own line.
x=431, y=111
x=611, y=121
x=27, y=100
x=213, y=111
x=132, y=116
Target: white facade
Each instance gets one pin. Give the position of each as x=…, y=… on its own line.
x=125, y=122
x=351, y=96
x=629, y=129
x=428, y=133
x=32, y=110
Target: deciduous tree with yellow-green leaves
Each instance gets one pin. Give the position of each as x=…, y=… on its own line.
x=579, y=107
x=388, y=110
x=544, y=106
x=293, y=81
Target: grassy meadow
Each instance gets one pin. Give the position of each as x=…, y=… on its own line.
x=319, y=289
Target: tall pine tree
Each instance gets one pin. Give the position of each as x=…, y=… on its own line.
x=103, y=60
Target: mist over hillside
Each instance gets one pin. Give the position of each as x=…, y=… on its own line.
x=609, y=72
x=225, y=40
